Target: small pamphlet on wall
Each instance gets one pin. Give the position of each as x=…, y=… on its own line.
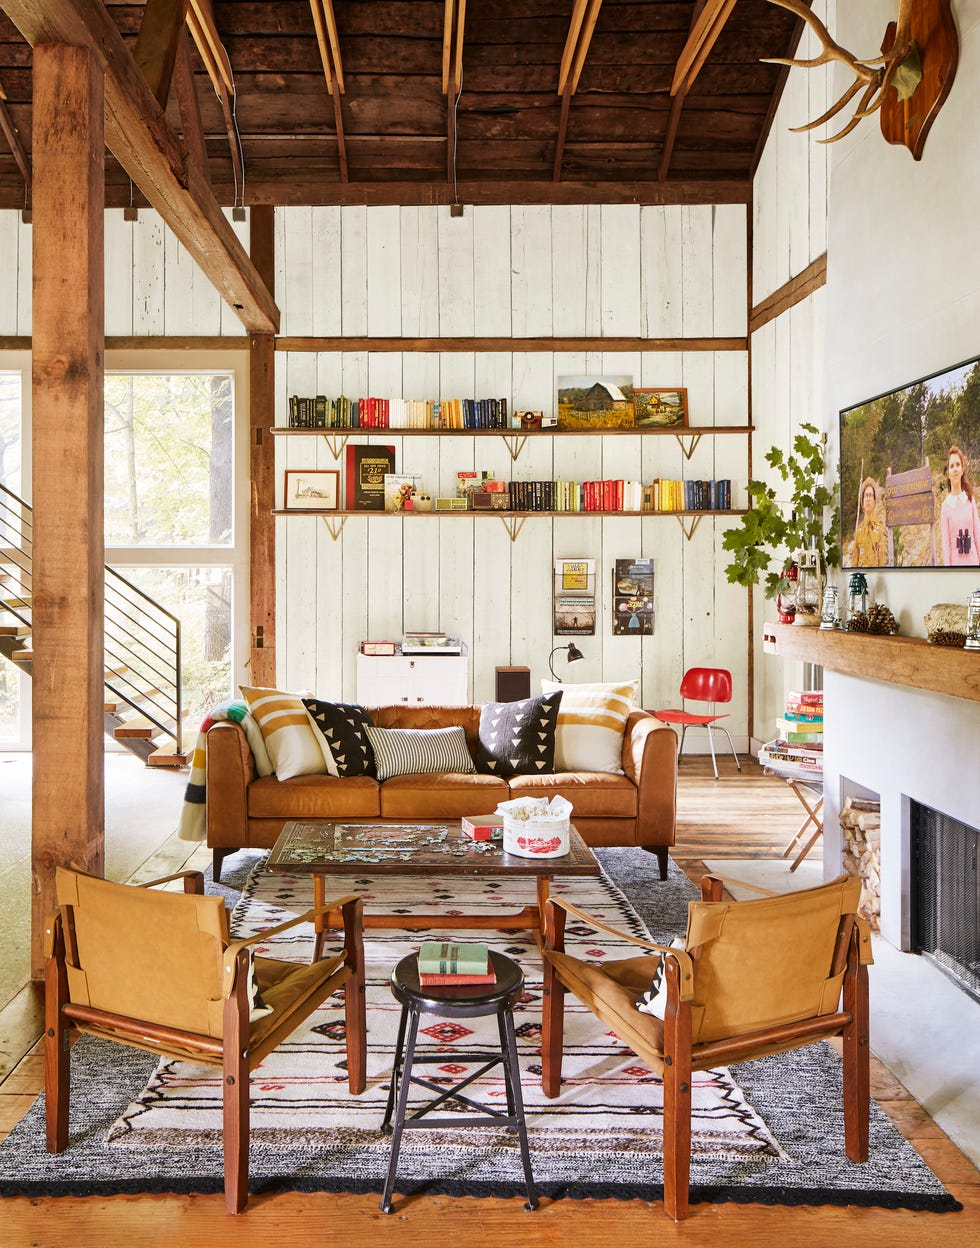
x=632, y=598
x=400, y=489
x=575, y=608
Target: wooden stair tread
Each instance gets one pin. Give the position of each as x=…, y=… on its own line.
x=22, y=656
x=14, y=630
x=166, y=758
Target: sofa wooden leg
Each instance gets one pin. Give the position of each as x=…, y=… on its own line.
x=662, y=857
x=217, y=858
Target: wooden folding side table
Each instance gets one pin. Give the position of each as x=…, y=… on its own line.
x=810, y=796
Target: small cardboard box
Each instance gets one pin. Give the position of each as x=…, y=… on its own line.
x=483, y=827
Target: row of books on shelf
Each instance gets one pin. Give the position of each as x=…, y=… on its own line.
x=443, y=962
x=320, y=412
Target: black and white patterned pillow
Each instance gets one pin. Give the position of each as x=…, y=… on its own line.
x=342, y=725
x=654, y=1000
x=518, y=738
x=413, y=751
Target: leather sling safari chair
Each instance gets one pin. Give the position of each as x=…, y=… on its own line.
x=754, y=978
x=156, y=970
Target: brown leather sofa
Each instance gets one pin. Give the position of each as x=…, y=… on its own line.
x=245, y=810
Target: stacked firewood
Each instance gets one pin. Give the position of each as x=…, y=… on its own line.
x=860, y=821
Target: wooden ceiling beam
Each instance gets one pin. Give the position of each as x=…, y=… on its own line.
x=674, y=120
x=581, y=27
x=204, y=32
x=700, y=41
x=16, y=147
x=453, y=23
x=189, y=107
x=328, y=41
x=140, y=137
x=156, y=45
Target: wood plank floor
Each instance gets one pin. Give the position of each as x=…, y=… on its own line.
x=745, y=816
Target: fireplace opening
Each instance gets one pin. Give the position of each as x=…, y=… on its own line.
x=946, y=895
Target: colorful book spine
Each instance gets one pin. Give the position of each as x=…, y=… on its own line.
x=455, y=981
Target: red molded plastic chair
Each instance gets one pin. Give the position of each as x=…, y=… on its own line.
x=703, y=684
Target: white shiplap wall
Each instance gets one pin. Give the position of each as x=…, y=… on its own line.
x=511, y=271
x=789, y=231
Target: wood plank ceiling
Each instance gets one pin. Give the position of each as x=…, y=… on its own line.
x=433, y=101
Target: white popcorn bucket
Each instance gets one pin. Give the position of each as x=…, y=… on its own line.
x=533, y=828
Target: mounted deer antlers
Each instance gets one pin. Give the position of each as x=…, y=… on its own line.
x=919, y=53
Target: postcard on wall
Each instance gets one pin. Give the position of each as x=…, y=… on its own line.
x=660, y=408
x=590, y=402
x=633, y=609
x=575, y=600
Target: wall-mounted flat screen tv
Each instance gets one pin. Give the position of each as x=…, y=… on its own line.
x=909, y=468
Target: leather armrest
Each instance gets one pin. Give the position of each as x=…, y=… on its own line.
x=650, y=761
x=230, y=769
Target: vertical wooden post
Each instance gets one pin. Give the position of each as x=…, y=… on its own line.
x=68, y=819
x=262, y=466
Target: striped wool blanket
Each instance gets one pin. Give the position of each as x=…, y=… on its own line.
x=192, y=824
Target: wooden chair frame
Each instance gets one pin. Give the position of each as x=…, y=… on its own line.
x=681, y=1058
x=232, y=1052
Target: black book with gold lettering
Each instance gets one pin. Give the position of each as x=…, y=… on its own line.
x=365, y=483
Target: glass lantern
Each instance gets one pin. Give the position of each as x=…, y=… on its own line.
x=973, y=622
x=857, y=595
x=808, y=590
x=830, y=612
x=786, y=598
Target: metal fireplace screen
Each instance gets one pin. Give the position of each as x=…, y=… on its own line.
x=946, y=895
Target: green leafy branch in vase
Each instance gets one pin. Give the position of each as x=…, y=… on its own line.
x=766, y=532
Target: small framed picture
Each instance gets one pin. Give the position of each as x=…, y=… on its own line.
x=660, y=408
x=311, y=489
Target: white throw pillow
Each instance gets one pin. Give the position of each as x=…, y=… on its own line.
x=591, y=723
x=295, y=746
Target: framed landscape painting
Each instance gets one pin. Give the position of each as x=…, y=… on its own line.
x=660, y=408
x=587, y=402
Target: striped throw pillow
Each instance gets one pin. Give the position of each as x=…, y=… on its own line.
x=591, y=723
x=414, y=751
x=294, y=745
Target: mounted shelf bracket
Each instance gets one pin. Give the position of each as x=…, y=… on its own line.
x=336, y=443
x=334, y=525
x=513, y=525
x=688, y=442
x=689, y=528
x=515, y=443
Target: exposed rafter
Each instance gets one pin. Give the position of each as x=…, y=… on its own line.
x=204, y=32
x=328, y=41
x=581, y=27
x=673, y=121
x=139, y=136
x=16, y=147
x=454, y=20
x=189, y=107
x=700, y=41
x=156, y=45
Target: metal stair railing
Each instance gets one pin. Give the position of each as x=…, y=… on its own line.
x=142, y=638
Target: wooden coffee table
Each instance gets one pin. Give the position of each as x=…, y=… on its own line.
x=341, y=849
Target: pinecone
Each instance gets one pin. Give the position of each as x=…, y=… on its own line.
x=946, y=637
x=881, y=622
x=857, y=623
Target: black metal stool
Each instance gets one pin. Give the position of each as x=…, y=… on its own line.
x=465, y=1001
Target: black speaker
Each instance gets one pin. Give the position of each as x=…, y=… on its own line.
x=513, y=683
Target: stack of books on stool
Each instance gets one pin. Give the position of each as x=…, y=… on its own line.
x=799, y=747
x=447, y=964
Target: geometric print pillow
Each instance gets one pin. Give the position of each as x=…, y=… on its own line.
x=518, y=738
x=342, y=725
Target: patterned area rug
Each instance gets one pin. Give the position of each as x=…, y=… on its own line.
x=797, y=1095
x=611, y=1104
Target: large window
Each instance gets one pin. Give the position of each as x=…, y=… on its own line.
x=12, y=585
x=170, y=517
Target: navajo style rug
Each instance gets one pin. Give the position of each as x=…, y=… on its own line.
x=771, y=1131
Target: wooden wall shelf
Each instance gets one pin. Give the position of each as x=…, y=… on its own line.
x=910, y=661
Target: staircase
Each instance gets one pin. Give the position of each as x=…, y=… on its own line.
x=142, y=646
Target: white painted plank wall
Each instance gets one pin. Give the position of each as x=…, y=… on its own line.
x=512, y=271
x=790, y=197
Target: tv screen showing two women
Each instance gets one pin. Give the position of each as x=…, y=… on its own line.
x=909, y=462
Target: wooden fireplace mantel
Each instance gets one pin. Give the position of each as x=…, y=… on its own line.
x=910, y=661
